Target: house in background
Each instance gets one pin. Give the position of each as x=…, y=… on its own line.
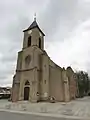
x=5, y=92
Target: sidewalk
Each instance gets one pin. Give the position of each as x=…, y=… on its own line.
x=79, y=108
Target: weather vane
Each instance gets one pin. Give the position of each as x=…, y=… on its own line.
x=35, y=17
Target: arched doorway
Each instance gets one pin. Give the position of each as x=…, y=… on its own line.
x=26, y=90
x=26, y=93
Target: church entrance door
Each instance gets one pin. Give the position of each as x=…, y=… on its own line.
x=26, y=93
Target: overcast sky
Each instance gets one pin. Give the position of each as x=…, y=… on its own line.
x=66, y=24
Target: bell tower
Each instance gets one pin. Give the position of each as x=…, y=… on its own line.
x=28, y=70
x=33, y=36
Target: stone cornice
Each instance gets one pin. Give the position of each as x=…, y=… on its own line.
x=23, y=70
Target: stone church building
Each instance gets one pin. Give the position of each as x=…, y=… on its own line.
x=37, y=77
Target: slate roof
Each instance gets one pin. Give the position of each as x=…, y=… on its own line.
x=34, y=25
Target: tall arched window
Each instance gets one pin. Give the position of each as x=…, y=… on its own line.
x=29, y=41
x=39, y=42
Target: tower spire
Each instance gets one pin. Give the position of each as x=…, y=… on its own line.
x=35, y=17
x=34, y=25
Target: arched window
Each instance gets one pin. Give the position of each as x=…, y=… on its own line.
x=27, y=60
x=45, y=81
x=27, y=83
x=29, y=41
x=39, y=42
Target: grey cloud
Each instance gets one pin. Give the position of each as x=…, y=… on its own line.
x=5, y=82
x=2, y=77
x=4, y=73
x=58, y=14
x=57, y=19
x=6, y=68
x=9, y=58
x=61, y=17
x=11, y=38
x=34, y=2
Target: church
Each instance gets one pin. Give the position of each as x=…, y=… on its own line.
x=37, y=77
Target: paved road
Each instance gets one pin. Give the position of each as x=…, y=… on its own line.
x=19, y=116
x=76, y=108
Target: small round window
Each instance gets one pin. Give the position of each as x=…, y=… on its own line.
x=27, y=60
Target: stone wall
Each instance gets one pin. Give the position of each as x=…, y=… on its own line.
x=44, y=82
x=55, y=83
x=72, y=83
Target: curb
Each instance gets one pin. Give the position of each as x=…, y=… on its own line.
x=45, y=114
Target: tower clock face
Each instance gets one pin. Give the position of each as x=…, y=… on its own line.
x=27, y=60
x=30, y=31
x=40, y=34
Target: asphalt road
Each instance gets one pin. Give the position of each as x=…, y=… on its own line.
x=19, y=116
